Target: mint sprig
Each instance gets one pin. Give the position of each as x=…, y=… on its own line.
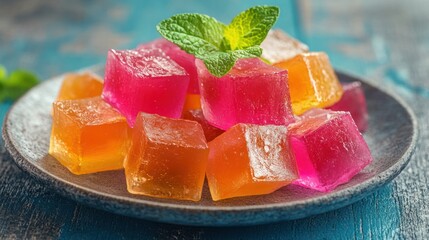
x=217, y=44
x=15, y=84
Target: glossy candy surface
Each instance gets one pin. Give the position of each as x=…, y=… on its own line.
x=167, y=158
x=88, y=135
x=252, y=92
x=210, y=132
x=353, y=101
x=144, y=81
x=250, y=160
x=312, y=81
x=80, y=85
x=185, y=60
x=329, y=149
x=279, y=46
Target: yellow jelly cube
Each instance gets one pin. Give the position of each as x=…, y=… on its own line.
x=312, y=81
x=88, y=135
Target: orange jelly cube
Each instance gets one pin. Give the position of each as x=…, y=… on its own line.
x=312, y=82
x=167, y=158
x=192, y=102
x=88, y=135
x=250, y=160
x=80, y=85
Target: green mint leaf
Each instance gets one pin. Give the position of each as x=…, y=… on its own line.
x=194, y=33
x=218, y=45
x=250, y=52
x=250, y=27
x=219, y=63
x=16, y=84
x=3, y=72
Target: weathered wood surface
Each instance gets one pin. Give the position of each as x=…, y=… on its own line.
x=386, y=41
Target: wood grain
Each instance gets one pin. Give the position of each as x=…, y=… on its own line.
x=386, y=41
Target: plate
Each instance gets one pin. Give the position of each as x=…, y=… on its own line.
x=391, y=137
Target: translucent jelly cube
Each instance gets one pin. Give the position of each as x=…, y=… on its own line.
x=353, y=101
x=252, y=92
x=167, y=158
x=250, y=160
x=80, y=85
x=312, y=82
x=88, y=135
x=144, y=81
x=210, y=132
x=279, y=46
x=192, y=102
x=185, y=60
x=329, y=149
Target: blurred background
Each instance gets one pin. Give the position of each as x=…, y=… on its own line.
x=385, y=41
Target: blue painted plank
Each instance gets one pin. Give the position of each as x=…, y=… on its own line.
x=55, y=37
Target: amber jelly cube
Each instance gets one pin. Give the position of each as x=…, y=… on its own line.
x=250, y=160
x=80, y=85
x=312, y=81
x=167, y=158
x=88, y=135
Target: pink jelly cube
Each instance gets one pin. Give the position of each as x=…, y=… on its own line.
x=329, y=149
x=144, y=81
x=185, y=60
x=353, y=101
x=252, y=92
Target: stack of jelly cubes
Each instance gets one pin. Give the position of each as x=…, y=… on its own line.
x=170, y=124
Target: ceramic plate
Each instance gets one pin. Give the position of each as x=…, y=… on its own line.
x=391, y=137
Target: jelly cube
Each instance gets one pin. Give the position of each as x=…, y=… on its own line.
x=167, y=158
x=250, y=160
x=353, y=101
x=329, y=149
x=312, y=82
x=80, y=85
x=210, y=132
x=279, y=46
x=252, y=92
x=88, y=135
x=144, y=81
x=192, y=102
x=185, y=60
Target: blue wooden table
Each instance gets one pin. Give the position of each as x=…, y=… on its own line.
x=385, y=41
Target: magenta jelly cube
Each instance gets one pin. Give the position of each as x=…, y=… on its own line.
x=252, y=92
x=185, y=60
x=329, y=149
x=353, y=101
x=144, y=80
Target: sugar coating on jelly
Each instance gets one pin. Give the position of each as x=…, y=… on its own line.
x=185, y=60
x=144, y=81
x=167, y=158
x=250, y=160
x=252, y=92
x=312, y=81
x=88, y=135
x=329, y=149
x=279, y=46
x=353, y=101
